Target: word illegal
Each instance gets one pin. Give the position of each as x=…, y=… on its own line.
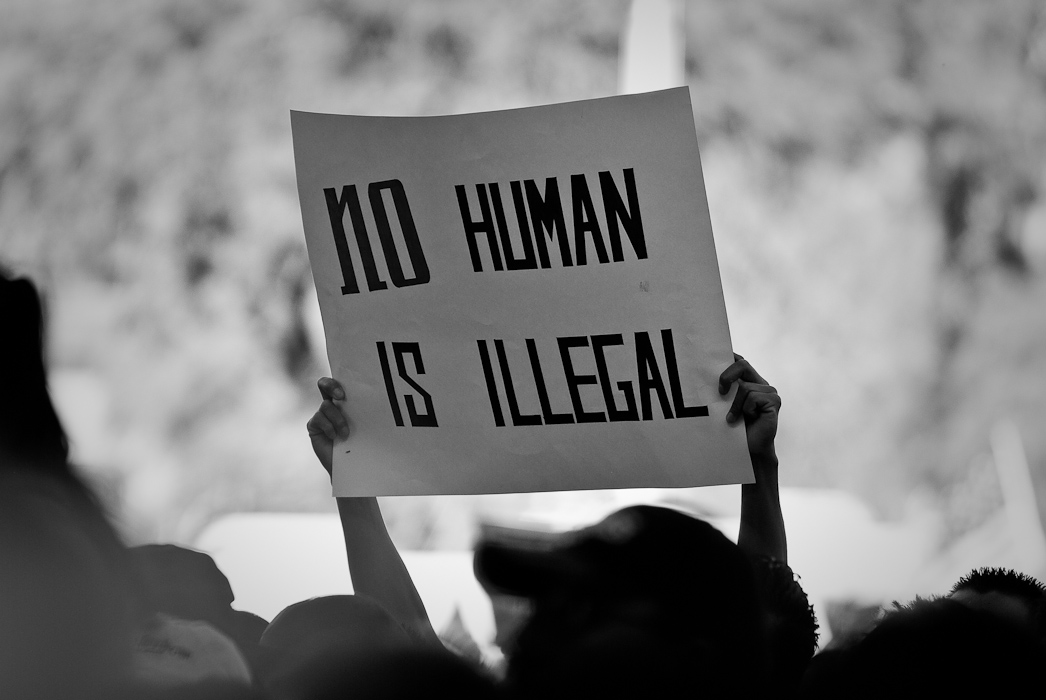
x=649, y=381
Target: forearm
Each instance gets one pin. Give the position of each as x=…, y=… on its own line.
x=762, y=532
x=376, y=568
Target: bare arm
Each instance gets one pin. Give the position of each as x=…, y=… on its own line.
x=762, y=531
x=375, y=565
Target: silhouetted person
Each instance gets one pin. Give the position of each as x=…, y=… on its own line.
x=933, y=648
x=66, y=588
x=65, y=618
x=1007, y=593
x=777, y=633
x=188, y=585
x=349, y=646
x=394, y=674
x=31, y=436
x=664, y=599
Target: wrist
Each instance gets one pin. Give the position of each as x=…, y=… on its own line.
x=764, y=467
x=765, y=462
x=365, y=507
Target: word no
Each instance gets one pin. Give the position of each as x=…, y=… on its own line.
x=349, y=199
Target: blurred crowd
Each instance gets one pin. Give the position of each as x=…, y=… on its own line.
x=650, y=601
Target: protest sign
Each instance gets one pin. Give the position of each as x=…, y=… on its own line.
x=523, y=300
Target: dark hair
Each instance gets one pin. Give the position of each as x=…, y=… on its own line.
x=987, y=579
x=643, y=577
x=790, y=621
x=30, y=431
x=65, y=612
x=1025, y=589
x=629, y=662
x=939, y=647
x=391, y=674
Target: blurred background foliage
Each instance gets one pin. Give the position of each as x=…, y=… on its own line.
x=875, y=174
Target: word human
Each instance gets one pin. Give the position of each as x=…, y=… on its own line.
x=651, y=384
x=542, y=221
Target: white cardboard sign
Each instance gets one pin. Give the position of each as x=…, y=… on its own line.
x=524, y=300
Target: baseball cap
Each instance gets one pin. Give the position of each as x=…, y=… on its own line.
x=640, y=549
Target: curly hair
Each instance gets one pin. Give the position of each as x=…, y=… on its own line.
x=939, y=647
x=1013, y=584
x=790, y=620
x=1008, y=581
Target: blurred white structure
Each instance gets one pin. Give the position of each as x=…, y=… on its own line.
x=1018, y=496
x=275, y=559
x=836, y=545
x=653, y=51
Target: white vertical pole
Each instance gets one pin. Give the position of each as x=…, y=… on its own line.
x=653, y=52
x=1018, y=495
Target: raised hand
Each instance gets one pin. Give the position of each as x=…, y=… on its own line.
x=762, y=531
x=757, y=402
x=328, y=424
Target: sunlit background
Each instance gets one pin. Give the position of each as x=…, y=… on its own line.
x=876, y=174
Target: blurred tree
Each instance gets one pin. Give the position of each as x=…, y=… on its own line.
x=874, y=174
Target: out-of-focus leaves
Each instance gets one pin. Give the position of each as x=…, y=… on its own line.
x=874, y=173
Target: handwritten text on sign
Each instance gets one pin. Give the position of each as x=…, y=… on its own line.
x=520, y=300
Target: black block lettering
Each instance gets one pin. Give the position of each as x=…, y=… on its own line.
x=539, y=381
x=546, y=214
x=682, y=410
x=599, y=342
x=417, y=420
x=574, y=380
x=630, y=218
x=650, y=377
x=510, y=390
x=410, y=233
x=585, y=221
x=335, y=210
x=390, y=388
x=484, y=225
x=492, y=389
x=528, y=261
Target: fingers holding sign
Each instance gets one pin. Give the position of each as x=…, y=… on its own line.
x=756, y=401
x=328, y=424
x=762, y=530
